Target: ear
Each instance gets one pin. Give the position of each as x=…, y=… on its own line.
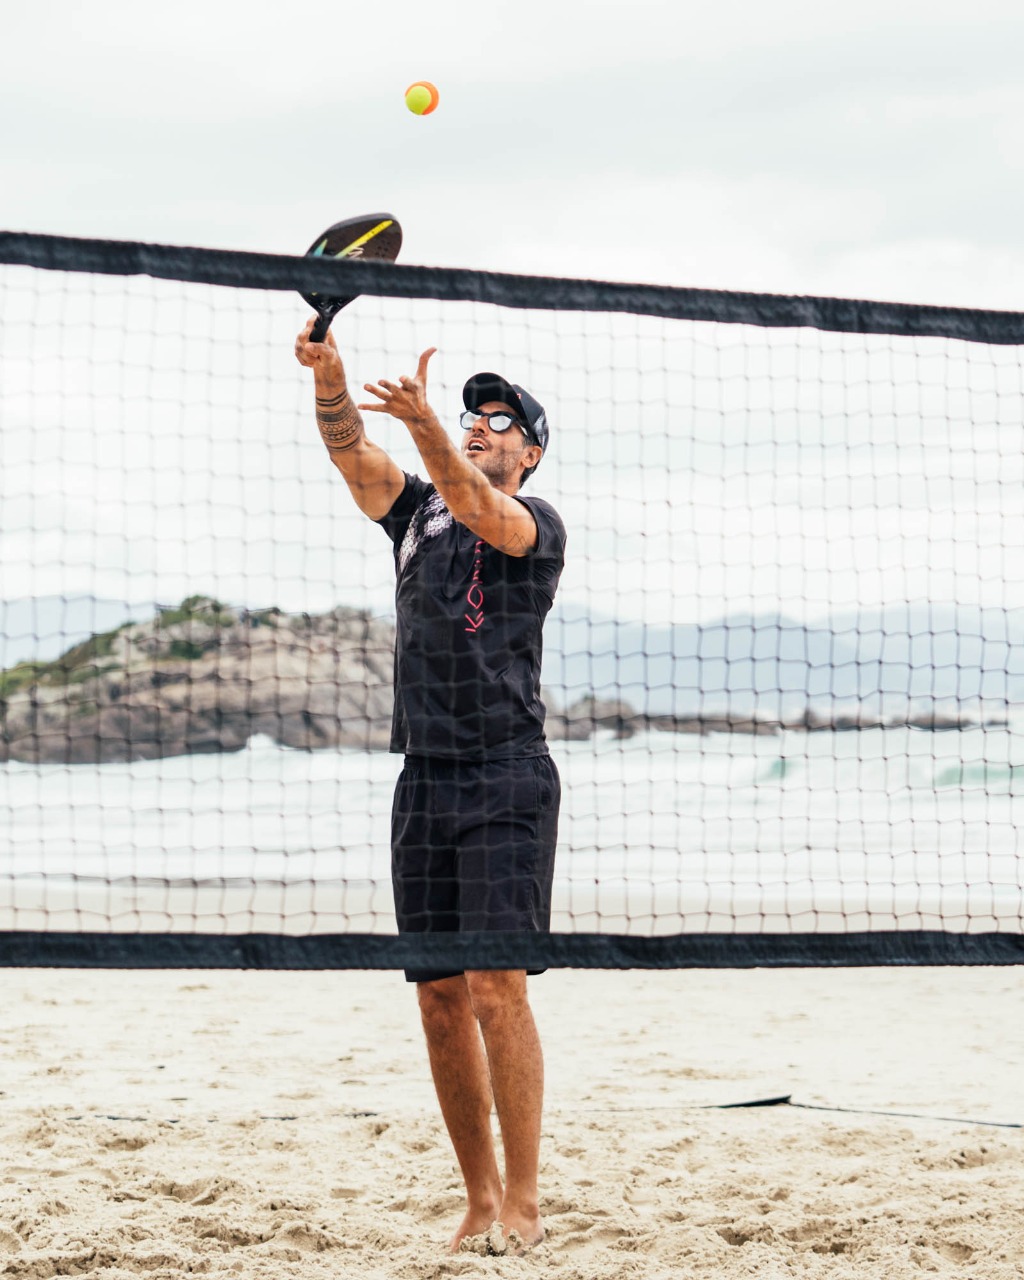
x=532, y=454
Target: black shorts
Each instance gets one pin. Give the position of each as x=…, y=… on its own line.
x=473, y=847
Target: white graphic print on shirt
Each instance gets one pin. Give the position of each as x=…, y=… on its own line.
x=432, y=518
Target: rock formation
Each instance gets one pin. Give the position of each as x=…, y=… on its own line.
x=204, y=678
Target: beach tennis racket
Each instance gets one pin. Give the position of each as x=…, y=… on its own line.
x=373, y=237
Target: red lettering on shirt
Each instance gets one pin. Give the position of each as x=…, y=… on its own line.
x=475, y=594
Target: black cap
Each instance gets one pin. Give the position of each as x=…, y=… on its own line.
x=483, y=387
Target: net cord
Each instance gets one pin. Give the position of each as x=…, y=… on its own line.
x=382, y=279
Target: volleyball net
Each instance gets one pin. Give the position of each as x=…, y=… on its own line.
x=782, y=673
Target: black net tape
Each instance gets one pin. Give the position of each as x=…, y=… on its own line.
x=277, y=271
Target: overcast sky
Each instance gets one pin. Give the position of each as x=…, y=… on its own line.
x=869, y=150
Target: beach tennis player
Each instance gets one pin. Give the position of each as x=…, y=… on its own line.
x=476, y=806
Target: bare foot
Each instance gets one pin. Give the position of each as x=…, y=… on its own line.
x=476, y=1223
x=521, y=1230
x=496, y=1242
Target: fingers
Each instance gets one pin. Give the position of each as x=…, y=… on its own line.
x=421, y=368
x=311, y=354
x=405, y=383
x=400, y=399
x=384, y=391
x=302, y=353
x=328, y=340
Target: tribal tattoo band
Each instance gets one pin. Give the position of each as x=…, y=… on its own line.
x=340, y=422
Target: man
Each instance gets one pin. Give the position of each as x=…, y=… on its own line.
x=476, y=806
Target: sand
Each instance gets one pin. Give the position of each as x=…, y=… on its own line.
x=283, y=1125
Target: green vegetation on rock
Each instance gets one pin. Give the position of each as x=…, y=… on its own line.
x=80, y=663
x=185, y=650
x=20, y=676
x=199, y=609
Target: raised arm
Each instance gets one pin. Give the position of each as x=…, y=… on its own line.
x=490, y=511
x=375, y=481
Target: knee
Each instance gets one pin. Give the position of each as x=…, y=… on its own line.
x=495, y=993
x=443, y=1004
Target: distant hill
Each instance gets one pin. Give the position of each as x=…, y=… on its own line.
x=775, y=665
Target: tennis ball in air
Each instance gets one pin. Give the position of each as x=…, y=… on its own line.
x=421, y=98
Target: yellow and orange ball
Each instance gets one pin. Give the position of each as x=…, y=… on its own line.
x=421, y=98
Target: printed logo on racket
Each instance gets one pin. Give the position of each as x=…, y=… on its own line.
x=373, y=237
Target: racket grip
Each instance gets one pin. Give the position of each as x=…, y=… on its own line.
x=319, y=330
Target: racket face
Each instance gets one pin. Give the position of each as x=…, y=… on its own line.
x=374, y=237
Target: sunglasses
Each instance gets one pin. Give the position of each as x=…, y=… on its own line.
x=500, y=421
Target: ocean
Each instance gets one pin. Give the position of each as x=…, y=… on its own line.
x=661, y=833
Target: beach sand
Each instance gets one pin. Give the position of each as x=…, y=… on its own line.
x=283, y=1125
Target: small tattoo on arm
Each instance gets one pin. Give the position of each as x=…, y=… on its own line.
x=516, y=546
x=340, y=422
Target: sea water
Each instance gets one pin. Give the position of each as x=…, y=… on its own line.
x=660, y=833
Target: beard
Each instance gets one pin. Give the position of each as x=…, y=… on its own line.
x=499, y=468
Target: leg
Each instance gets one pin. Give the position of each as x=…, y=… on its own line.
x=516, y=1066
x=463, y=1089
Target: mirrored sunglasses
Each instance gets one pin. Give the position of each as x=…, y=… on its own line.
x=500, y=421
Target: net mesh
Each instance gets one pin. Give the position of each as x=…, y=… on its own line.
x=781, y=672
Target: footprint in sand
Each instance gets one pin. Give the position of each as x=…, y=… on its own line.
x=9, y=1242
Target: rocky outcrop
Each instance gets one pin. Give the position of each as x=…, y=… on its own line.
x=204, y=678
x=933, y=718
x=591, y=714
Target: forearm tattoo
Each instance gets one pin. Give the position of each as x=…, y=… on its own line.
x=340, y=422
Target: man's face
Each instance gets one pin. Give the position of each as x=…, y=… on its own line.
x=497, y=454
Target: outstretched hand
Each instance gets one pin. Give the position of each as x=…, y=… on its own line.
x=406, y=399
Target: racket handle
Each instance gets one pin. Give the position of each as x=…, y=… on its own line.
x=319, y=330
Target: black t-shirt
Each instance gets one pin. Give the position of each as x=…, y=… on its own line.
x=468, y=651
